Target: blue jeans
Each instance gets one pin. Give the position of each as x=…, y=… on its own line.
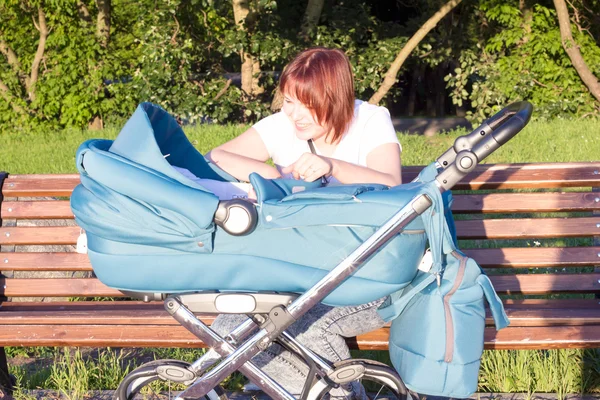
x=322, y=330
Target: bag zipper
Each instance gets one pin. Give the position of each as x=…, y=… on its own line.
x=449, y=322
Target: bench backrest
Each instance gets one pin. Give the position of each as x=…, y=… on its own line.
x=492, y=212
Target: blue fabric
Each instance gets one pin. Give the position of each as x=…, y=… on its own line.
x=150, y=229
x=436, y=337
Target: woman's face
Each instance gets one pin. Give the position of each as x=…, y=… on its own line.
x=304, y=122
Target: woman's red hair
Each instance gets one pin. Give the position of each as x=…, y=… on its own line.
x=322, y=80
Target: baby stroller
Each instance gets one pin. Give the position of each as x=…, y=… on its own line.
x=155, y=234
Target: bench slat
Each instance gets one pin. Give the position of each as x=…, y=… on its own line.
x=48, y=209
x=504, y=284
x=57, y=287
x=546, y=283
x=177, y=336
x=471, y=203
x=44, y=262
x=530, y=257
x=536, y=257
x=527, y=228
x=40, y=185
x=487, y=176
x=525, y=202
x=527, y=313
x=518, y=228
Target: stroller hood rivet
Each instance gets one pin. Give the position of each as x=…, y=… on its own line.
x=200, y=244
x=268, y=218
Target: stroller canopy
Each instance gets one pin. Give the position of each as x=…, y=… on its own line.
x=151, y=229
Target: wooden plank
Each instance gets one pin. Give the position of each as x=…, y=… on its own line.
x=96, y=314
x=520, y=338
x=177, y=336
x=504, y=284
x=536, y=257
x=44, y=262
x=57, y=287
x=555, y=337
x=471, y=203
x=40, y=185
x=530, y=257
x=546, y=283
x=43, y=235
x=527, y=228
x=525, y=313
x=517, y=228
x=525, y=202
x=36, y=209
x=487, y=176
x=526, y=175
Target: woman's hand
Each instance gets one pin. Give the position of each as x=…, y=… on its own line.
x=310, y=167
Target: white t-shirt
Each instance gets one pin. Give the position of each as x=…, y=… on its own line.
x=370, y=128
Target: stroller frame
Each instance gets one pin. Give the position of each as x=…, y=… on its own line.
x=236, y=350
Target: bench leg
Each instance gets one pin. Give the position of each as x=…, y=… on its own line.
x=6, y=384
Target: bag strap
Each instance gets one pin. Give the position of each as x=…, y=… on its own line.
x=311, y=146
x=440, y=242
x=500, y=318
x=389, y=310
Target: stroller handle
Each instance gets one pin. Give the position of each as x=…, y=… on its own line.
x=471, y=149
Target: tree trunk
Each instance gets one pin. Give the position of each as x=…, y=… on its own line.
x=39, y=54
x=103, y=22
x=572, y=50
x=5, y=93
x=250, y=65
x=311, y=17
x=390, y=76
x=83, y=12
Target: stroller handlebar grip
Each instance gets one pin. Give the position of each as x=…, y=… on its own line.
x=471, y=149
x=520, y=111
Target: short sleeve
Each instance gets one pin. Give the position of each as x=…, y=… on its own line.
x=378, y=130
x=270, y=131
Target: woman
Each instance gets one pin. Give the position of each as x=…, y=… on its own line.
x=355, y=141
x=321, y=131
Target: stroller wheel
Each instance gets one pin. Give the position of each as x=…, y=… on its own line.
x=172, y=371
x=361, y=379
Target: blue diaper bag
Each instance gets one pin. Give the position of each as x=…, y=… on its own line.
x=436, y=337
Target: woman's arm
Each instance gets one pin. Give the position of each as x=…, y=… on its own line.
x=383, y=166
x=243, y=155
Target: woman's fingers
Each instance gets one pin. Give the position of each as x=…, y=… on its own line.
x=308, y=167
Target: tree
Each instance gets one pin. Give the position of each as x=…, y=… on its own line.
x=27, y=77
x=390, y=76
x=245, y=20
x=573, y=51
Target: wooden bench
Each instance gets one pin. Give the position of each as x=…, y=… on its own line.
x=489, y=212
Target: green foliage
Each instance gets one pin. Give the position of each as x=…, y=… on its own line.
x=519, y=56
x=185, y=56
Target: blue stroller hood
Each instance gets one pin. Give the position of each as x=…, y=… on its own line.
x=151, y=230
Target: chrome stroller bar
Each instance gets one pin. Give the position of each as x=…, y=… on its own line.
x=187, y=319
x=299, y=307
x=464, y=155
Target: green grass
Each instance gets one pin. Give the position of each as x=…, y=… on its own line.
x=527, y=371
x=558, y=141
